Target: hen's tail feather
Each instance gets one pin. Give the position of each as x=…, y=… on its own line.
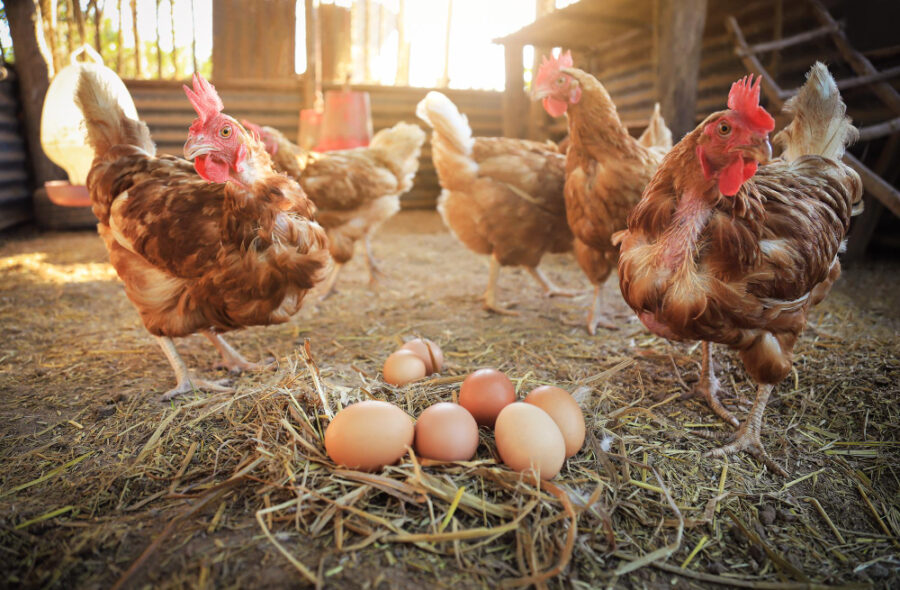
x=657, y=133
x=400, y=145
x=442, y=115
x=820, y=125
x=107, y=124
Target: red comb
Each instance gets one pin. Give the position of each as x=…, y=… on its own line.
x=204, y=98
x=744, y=98
x=551, y=66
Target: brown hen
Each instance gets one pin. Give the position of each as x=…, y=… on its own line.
x=606, y=168
x=501, y=197
x=354, y=190
x=199, y=256
x=723, y=249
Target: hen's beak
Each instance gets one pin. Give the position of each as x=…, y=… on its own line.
x=760, y=150
x=195, y=146
x=540, y=94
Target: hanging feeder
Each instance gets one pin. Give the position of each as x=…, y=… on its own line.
x=63, y=129
x=346, y=122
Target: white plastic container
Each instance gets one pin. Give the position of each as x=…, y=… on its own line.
x=63, y=135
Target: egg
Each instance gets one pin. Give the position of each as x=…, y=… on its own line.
x=402, y=367
x=527, y=437
x=429, y=352
x=564, y=410
x=369, y=435
x=484, y=393
x=446, y=432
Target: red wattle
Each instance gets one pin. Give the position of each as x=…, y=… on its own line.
x=211, y=169
x=732, y=177
x=554, y=106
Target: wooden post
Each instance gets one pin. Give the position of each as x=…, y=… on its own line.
x=312, y=89
x=34, y=79
x=402, y=78
x=515, y=102
x=536, y=114
x=159, y=60
x=681, y=24
x=119, y=36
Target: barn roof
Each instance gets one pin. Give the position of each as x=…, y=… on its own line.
x=584, y=24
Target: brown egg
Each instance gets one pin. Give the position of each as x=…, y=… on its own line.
x=369, y=435
x=402, y=367
x=484, y=393
x=564, y=410
x=429, y=352
x=527, y=437
x=446, y=432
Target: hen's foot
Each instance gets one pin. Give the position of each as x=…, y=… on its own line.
x=747, y=439
x=708, y=389
x=493, y=307
x=557, y=292
x=596, y=320
x=192, y=384
x=548, y=287
x=241, y=366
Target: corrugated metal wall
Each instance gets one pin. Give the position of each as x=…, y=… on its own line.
x=15, y=196
x=168, y=113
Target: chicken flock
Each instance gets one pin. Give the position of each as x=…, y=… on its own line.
x=713, y=240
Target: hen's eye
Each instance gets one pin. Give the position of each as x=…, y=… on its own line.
x=561, y=80
x=225, y=132
x=723, y=128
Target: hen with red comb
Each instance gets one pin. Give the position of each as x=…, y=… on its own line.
x=732, y=247
x=181, y=243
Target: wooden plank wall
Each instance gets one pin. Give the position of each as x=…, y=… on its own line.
x=625, y=64
x=15, y=195
x=163, y=106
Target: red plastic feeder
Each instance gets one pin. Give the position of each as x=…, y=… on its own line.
x=67, y=195
x=347, y=121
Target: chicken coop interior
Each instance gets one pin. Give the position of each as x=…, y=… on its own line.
x=395, y=294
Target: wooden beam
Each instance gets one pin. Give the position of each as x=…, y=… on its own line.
x=860, y=64
x=34, y=79
x=790, y=41
x=515, y=101
x=681, y=24
x=770, y=87
x=882, y=129
x=864, y=226
x=876, y=185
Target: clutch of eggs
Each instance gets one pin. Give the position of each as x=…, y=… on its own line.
x=412, y=361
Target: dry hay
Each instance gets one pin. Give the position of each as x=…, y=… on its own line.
x=101, y=484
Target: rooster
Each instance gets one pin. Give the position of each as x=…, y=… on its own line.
x=228, y=245
x=606, y=168
x=501, y=197
x=728, y=247
x=354, y=190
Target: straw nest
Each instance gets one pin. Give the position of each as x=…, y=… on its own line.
x=103, y=485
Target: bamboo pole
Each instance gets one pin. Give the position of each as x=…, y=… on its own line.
x=174, y=48
x=159, y=59
x=137, y=39
x=120, y=36
x=98, y=26
x=193, y=37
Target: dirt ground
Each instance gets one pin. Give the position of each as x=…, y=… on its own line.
x=94, y=468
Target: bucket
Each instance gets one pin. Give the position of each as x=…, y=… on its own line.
x=346, y=122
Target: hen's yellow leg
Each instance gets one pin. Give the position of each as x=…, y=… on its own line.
x=185, y=381
x=747, y=436
x=490, y=294
x=231, y=359
x=550, y=289
x=596, y=317
x=708, y=387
